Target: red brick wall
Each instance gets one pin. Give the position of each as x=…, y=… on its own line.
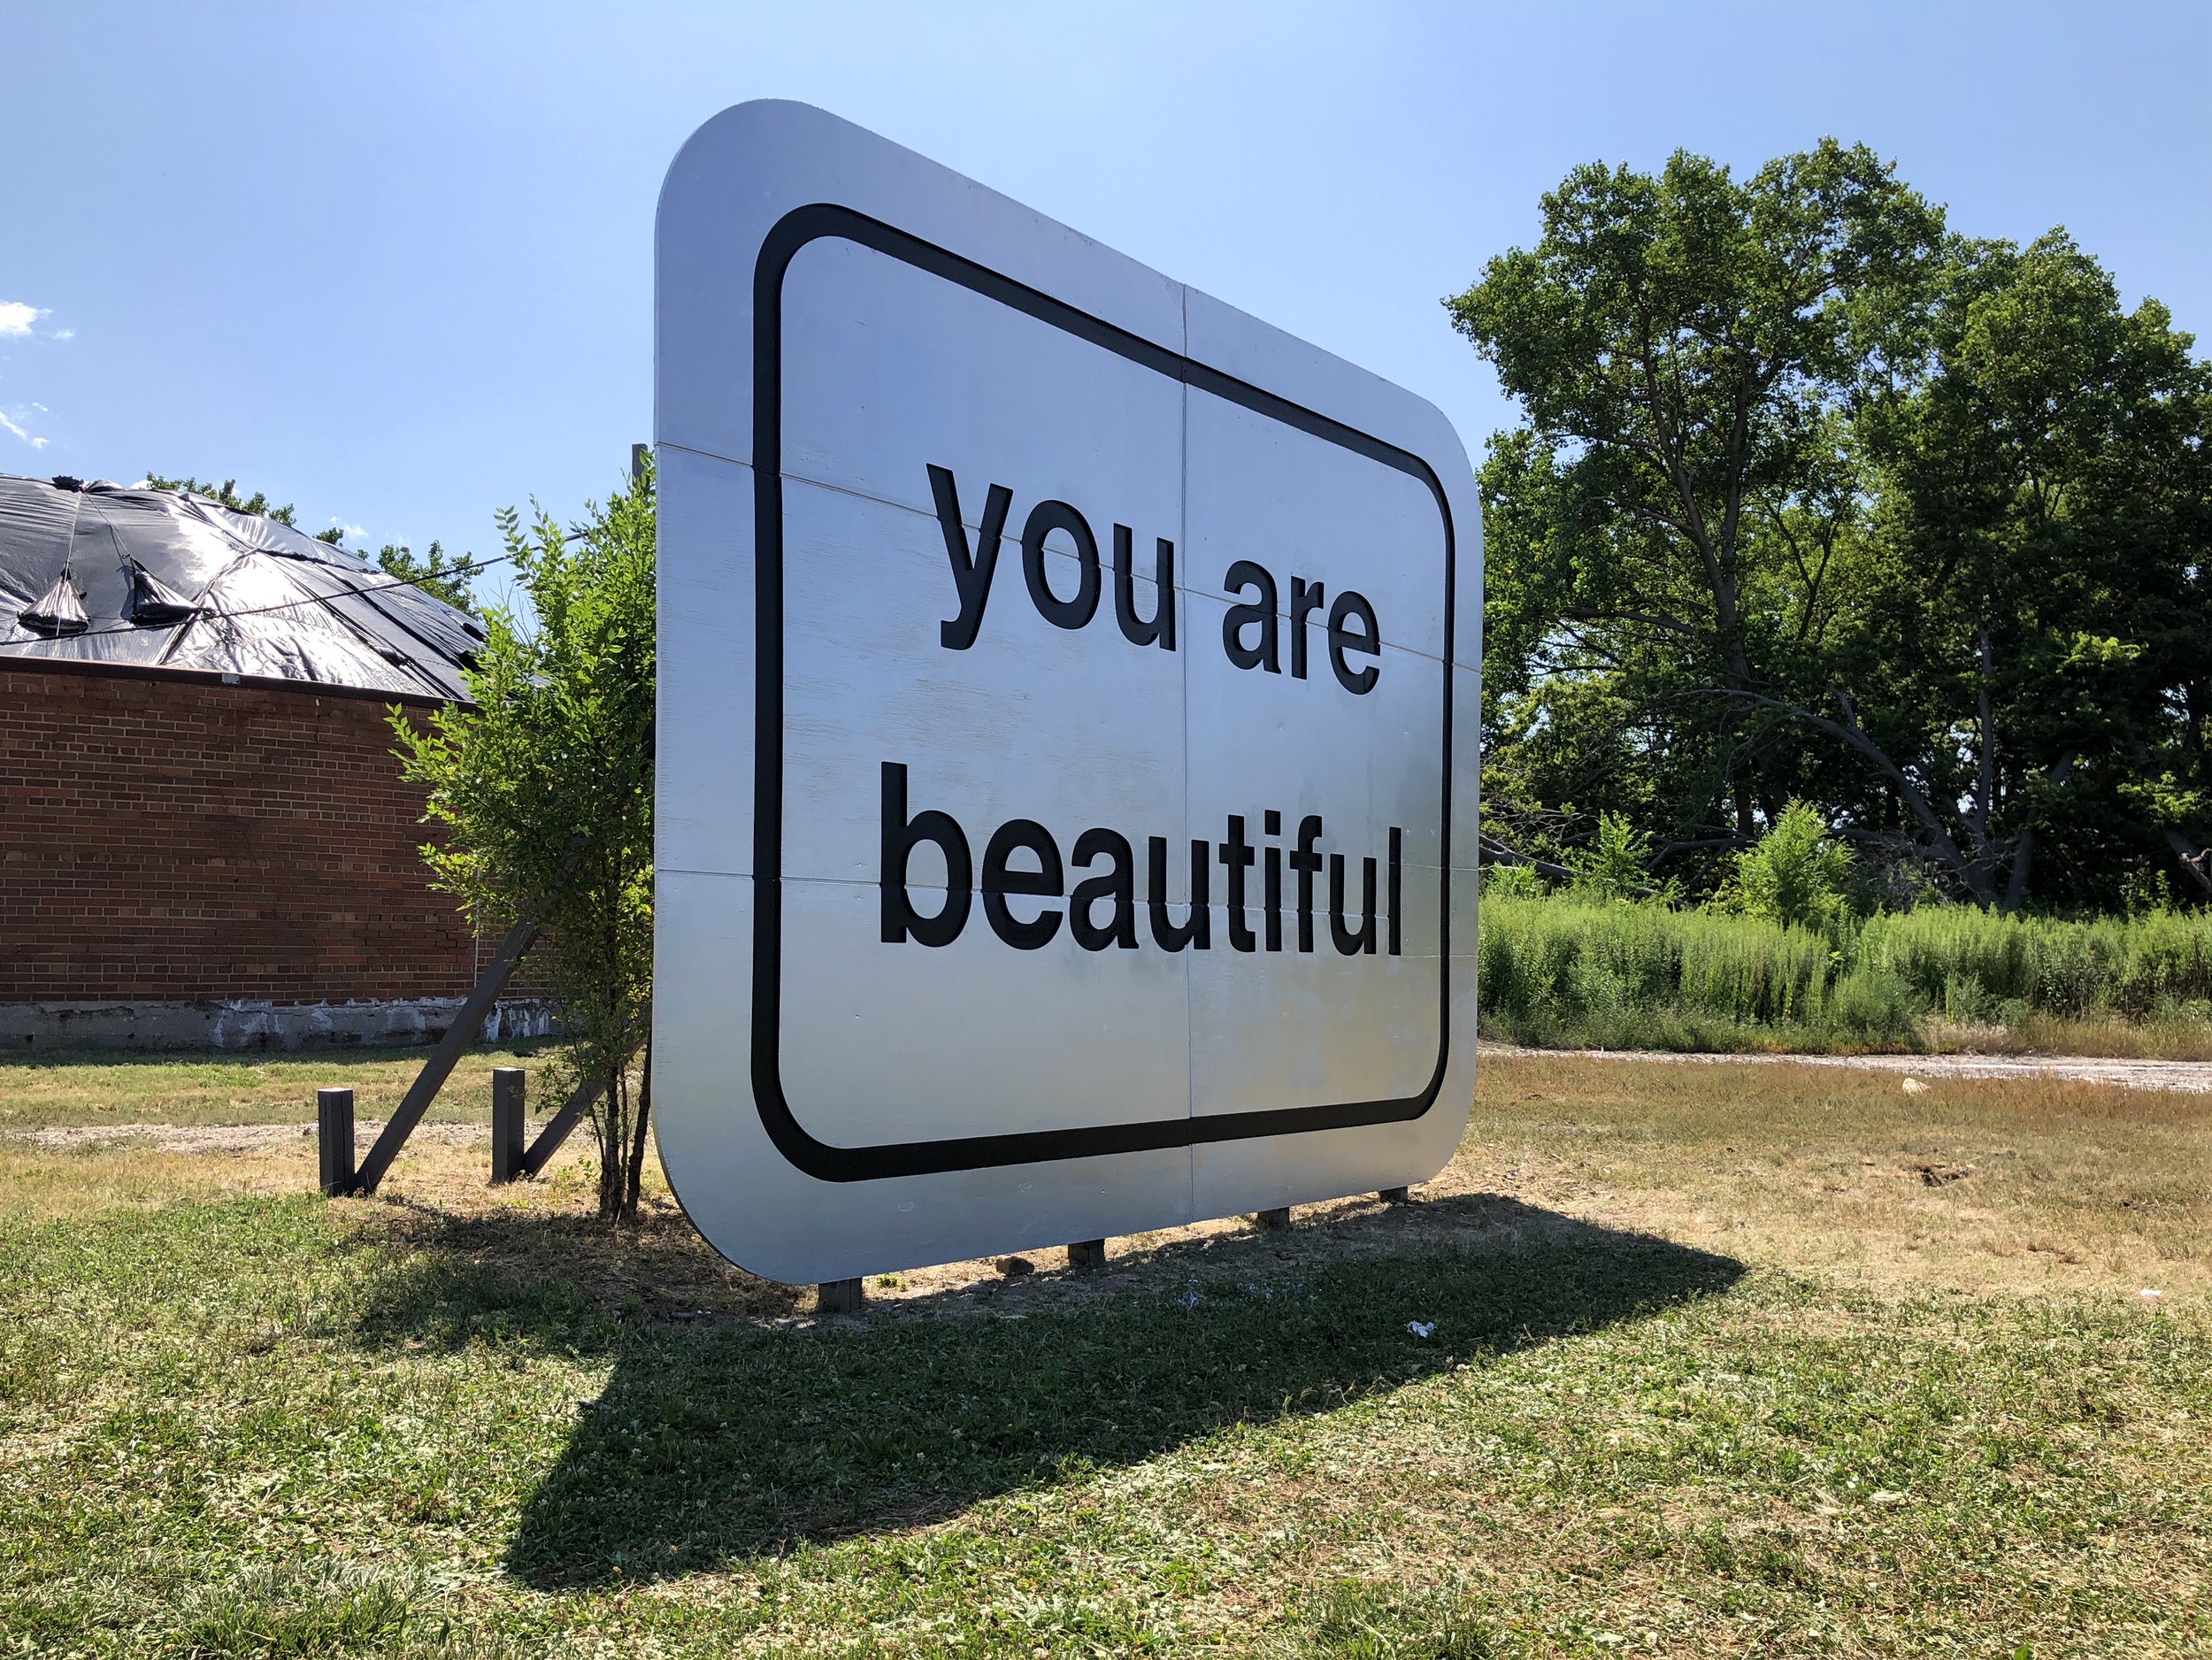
x=178, y=838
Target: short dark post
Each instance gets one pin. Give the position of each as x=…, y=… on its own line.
x=334, y=1140
x=837, y=1296
x=1395, y=1195
x=1086, y=1256
x=509, y=1141
x=1279, y=1218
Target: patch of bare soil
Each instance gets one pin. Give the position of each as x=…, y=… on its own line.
x=2187, y=1077
x=225, y=1138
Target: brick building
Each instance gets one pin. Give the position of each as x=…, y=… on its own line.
x=205, y=837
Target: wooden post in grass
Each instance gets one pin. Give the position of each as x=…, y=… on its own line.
x=334, y=1141
x=509, y=1145
x=1086, y=1256
x=837, y=1296
x=1272, y=1220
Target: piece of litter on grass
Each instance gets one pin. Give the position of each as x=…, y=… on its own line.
x=1422, y=1328
x=1914, y=1087
x=2148, y=1292
x=1884, y=1496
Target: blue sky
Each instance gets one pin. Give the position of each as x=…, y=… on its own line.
x=394, y=263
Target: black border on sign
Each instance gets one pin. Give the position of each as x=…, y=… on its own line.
x=819, y=1158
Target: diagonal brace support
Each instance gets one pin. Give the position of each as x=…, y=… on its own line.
x=440, y=1066
x=560, y=1127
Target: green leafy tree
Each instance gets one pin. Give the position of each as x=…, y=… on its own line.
x=1796, y=874
x=227, y=495
x=1675, y=515
x=2027, y=673
x=1616, y=863
x=544, y=788
x=433, y=572
x=1812, y=503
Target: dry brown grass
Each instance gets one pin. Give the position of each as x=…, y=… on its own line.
x=1974, y=1186
x=2055, y=1034
x=66, y=1089
x=1977, y=1186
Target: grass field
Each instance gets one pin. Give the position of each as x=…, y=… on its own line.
x=1735, y=1360
x=70, y=1089
x=1570, y=970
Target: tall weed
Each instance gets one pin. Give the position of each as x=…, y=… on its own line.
x=1572, y=968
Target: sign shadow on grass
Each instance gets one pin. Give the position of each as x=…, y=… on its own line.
x=720, y=1444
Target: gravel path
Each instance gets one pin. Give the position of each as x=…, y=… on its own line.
x=2188, y=1077
x=229, y=1138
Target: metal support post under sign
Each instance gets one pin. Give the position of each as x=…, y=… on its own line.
x=509, y=1147
x=334, y=1141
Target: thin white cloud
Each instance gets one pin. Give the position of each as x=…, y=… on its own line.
x=65, y=334
x=351, y=530
x=36, y=443
x=16, y=317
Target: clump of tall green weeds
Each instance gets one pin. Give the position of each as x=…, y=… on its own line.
x=1780, y=958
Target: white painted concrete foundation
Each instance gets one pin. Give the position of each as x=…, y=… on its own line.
x=251, y=1025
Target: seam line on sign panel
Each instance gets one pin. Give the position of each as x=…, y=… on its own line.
x=1190, y=956
x=798, y=475
x=1190, y=997
x=1219, y=597
x=1282, y=615
x=704, y=455
x=1182, y=529
x=830, y=1162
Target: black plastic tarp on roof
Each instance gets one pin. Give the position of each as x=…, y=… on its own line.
x=177, y=582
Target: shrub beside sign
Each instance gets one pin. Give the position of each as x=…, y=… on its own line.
x=1067, y=731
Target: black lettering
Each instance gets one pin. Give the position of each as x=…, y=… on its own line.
x=1273, y=883
x=999, y=882
x=1236, y=858
x=1307, y=863
x=1197, y=929
x=1340, y=935
x=1305, y=599
x=970, y=574
x=1397, y=867
x=1258, y=613
x=1119, y=885
x=1367, y=641
x=901, y=920
x=1044, y=519
x=1160, y=629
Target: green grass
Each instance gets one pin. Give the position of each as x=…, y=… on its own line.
x=90, y=1087
x=1565, y=971
x=232, y=1430
x=1680, y=1400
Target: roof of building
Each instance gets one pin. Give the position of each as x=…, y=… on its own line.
x=99, y=572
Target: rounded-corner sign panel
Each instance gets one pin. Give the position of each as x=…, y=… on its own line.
x=1065, y=680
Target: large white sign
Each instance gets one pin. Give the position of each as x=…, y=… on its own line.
x=1067, y=734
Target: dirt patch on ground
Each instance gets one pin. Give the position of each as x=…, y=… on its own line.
x=2190, y=1077
x=229, y=1138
